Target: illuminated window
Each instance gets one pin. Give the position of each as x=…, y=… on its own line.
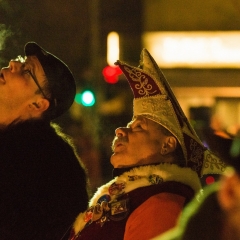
x=199, y=49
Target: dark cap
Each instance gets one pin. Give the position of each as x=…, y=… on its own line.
x=60, y=78
x=228, y=148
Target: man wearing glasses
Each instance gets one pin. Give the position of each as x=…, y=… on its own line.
x=42, y=181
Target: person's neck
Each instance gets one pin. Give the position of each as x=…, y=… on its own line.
x=6, y=121
x=5, y=125
x=119, y=171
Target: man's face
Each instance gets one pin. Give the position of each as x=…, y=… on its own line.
x=18, y=89
x=137, y=144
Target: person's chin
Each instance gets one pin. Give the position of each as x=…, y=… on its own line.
x=116, y=161
x=113, y=160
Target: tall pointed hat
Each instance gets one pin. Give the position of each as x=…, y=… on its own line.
x=154, y=99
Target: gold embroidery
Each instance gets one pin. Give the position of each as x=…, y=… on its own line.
x=156, y=105
x=196, y=154
x=143, y=86
x=213, y=162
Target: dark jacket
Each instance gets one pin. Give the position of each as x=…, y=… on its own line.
x=42, y=182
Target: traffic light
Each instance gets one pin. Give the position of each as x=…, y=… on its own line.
x=86, y=98
x=111, y=74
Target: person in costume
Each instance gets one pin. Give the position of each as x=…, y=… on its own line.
x=43, y=183
x=216, y=214
x=157, y=160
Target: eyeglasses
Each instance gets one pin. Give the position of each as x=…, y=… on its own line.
x=22, y=60
x=36, y=81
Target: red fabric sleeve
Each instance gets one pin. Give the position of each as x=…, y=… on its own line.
x=155, y=216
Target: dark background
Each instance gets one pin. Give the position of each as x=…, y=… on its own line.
x=76, y=31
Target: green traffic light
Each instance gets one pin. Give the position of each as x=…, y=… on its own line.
x=78, y=98
x=85, y=98
x=88, y=98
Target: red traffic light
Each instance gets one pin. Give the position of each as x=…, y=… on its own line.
x=111, y=74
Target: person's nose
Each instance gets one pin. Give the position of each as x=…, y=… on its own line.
x=15, y=65
x=121, y=132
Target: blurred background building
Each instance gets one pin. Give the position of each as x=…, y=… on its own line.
x=195, y=42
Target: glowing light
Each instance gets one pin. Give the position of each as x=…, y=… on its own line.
x=111, y=74
x=78, y=98
x=86, y=98
x=235, y=149
x=210, y=180
x=216, y=49
x=112, y=48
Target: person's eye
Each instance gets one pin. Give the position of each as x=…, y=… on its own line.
x=137, y=127
x=26, y=71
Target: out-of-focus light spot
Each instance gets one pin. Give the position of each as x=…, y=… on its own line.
x=85, y=98
x=201, y=49
x=111, y=74
x=88, y=98
x=78, y=98
x=235, y=148
x=209, y=180
x=112, y=48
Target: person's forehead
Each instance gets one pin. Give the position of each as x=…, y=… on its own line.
x=143, y=118
x=31, y=60
x=34, y=63
x=138, y=118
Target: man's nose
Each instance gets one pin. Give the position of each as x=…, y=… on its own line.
x=121, y=132
x=14, y=65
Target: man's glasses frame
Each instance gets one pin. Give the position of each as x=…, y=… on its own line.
x=22, y=60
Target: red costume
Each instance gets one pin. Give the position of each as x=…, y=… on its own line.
x=136, y=199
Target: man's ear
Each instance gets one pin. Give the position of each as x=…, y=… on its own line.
x=229, y=191
x=169, y=145
x=39, y=106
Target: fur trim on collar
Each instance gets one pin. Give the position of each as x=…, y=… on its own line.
x=141, y=177
x=168, y=172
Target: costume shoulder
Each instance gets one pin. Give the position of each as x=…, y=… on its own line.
x=136, y=183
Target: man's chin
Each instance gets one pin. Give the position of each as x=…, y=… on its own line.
x=126, y=166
